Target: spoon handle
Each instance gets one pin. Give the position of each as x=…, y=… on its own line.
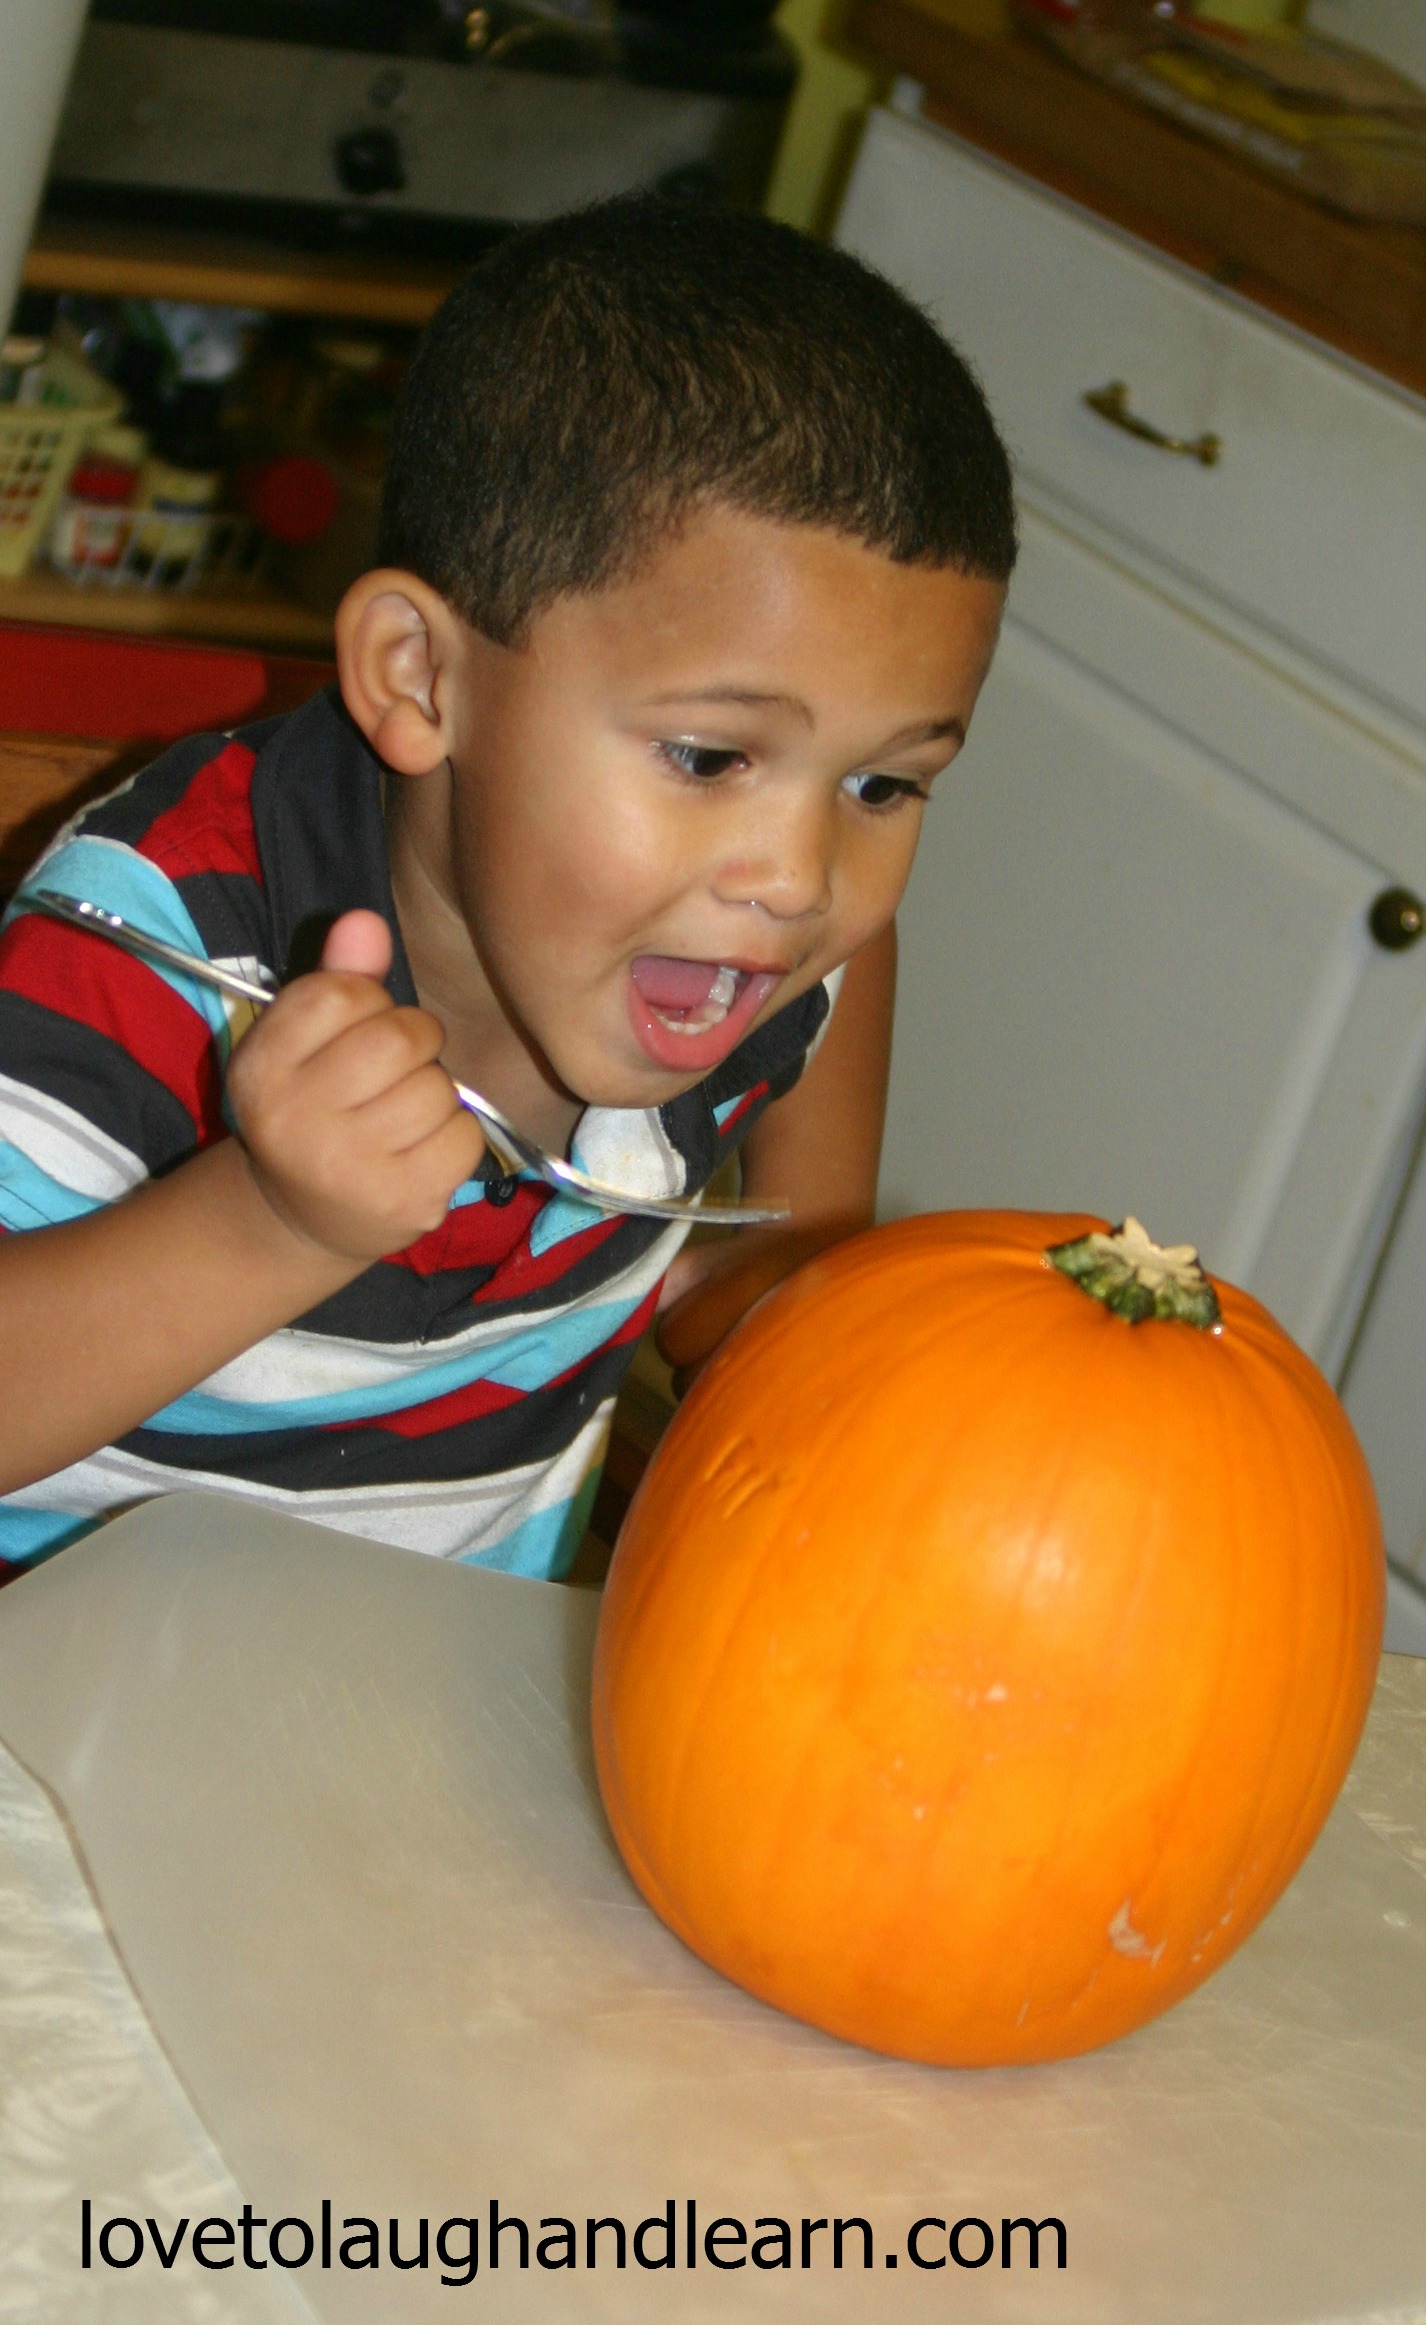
x=510, y=1146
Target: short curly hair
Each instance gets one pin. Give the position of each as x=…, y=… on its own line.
x=596, y=378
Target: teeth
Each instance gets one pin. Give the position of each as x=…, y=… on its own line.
x=722, y=993
x=692, y=1024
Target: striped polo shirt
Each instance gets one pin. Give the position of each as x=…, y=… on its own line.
x=455, y=1398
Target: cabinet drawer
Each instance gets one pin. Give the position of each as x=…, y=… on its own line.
x=1313, y=523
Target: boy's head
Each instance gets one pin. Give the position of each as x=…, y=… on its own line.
x=599, y=378
x=694, y=538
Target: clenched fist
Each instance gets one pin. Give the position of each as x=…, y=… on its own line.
x=353, y=1131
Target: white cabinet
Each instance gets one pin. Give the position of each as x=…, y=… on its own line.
x=1133, y=978
x=1310, y=526
x=1137, y=967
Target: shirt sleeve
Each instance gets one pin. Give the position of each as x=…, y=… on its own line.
x=110, y=1070
x=106, y=1075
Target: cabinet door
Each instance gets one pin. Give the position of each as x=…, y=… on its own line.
x=1384, y=1390
x=1313, y=523
x=1136, y=976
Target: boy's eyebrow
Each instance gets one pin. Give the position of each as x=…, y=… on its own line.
x=938, y=730
x=745, y=696
x=934, y=731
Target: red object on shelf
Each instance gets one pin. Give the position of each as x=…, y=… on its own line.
x=70, y=682
x=295, y=498
x=109, y=481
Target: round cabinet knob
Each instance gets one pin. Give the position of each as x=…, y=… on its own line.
x=369, y=161
x=1397, y=919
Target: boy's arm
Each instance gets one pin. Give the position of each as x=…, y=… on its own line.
x=352, y=1143
x=819, y=1146
x=108, y=1318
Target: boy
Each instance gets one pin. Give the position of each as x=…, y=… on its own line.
x=694, y=547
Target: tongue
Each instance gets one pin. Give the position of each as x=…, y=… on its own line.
x=668, y=983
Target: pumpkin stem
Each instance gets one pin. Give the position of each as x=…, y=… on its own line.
x=1139, y=1279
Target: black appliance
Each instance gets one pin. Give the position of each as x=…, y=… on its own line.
x=423, y=125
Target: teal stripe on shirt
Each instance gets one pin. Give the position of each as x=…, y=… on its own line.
x=106, y=873
x=29, y=1197
x=529, y=1360
x=32, y=1534
x=544, y=1547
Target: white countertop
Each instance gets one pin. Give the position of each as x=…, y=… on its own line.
x=335, y=1803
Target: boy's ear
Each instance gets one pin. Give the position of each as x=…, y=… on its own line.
x=397, y=643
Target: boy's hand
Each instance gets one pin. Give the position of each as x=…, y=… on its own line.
x=710, y=1287
x=354, y=1134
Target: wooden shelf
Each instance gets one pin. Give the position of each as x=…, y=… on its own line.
x=254, y=618
x=1360, y=288
x=160, y=262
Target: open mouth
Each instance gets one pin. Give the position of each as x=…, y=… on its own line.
x=692, y=1013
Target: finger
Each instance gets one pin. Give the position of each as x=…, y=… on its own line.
x=454, y=1152
x=306, y=1018
x=401, y=1117
x=361, y=1061
x=359, y=943
x=442, y=1163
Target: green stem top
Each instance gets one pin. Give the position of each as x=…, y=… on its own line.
x=1139, y=1279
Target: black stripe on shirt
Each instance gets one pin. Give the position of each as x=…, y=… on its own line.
x=536, y=1427
x=84, y=1069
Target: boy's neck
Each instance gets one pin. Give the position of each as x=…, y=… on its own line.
x=481, y=1046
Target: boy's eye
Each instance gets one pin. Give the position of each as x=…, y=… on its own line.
x=701, y=761
x=883, y=790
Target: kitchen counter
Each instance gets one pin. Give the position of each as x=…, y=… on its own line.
x=1361, y=288
x=335, y=1803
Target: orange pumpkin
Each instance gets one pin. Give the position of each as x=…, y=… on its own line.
x=988, y=1641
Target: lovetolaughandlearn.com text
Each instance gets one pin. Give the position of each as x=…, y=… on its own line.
x=675, y=2237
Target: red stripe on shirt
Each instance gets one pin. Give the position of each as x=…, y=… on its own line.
x=495, y=1235
x=92, y=983
x=749, y=1098
x=471, y=1235
x=526, y=1271
x=210, y=829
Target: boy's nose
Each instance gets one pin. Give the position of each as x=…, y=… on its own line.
x=783, y=865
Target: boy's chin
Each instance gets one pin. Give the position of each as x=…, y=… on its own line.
x=623, y=1084
x=632, y=1093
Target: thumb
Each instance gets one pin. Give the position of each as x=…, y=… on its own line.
x=360, y=944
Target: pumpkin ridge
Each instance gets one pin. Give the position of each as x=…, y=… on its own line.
x=988, y=1396
x=790, y=1779
x=1255, y=1373
x=1332, y=1759
x=676, y=1788
x=1089, y=1743
x=1258, y=1371
x=1176, y=1943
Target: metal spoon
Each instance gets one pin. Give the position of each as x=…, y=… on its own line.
x=510, y=1146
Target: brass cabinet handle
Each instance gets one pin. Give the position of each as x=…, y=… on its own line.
x=1112, y=404
x=1397, y=919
